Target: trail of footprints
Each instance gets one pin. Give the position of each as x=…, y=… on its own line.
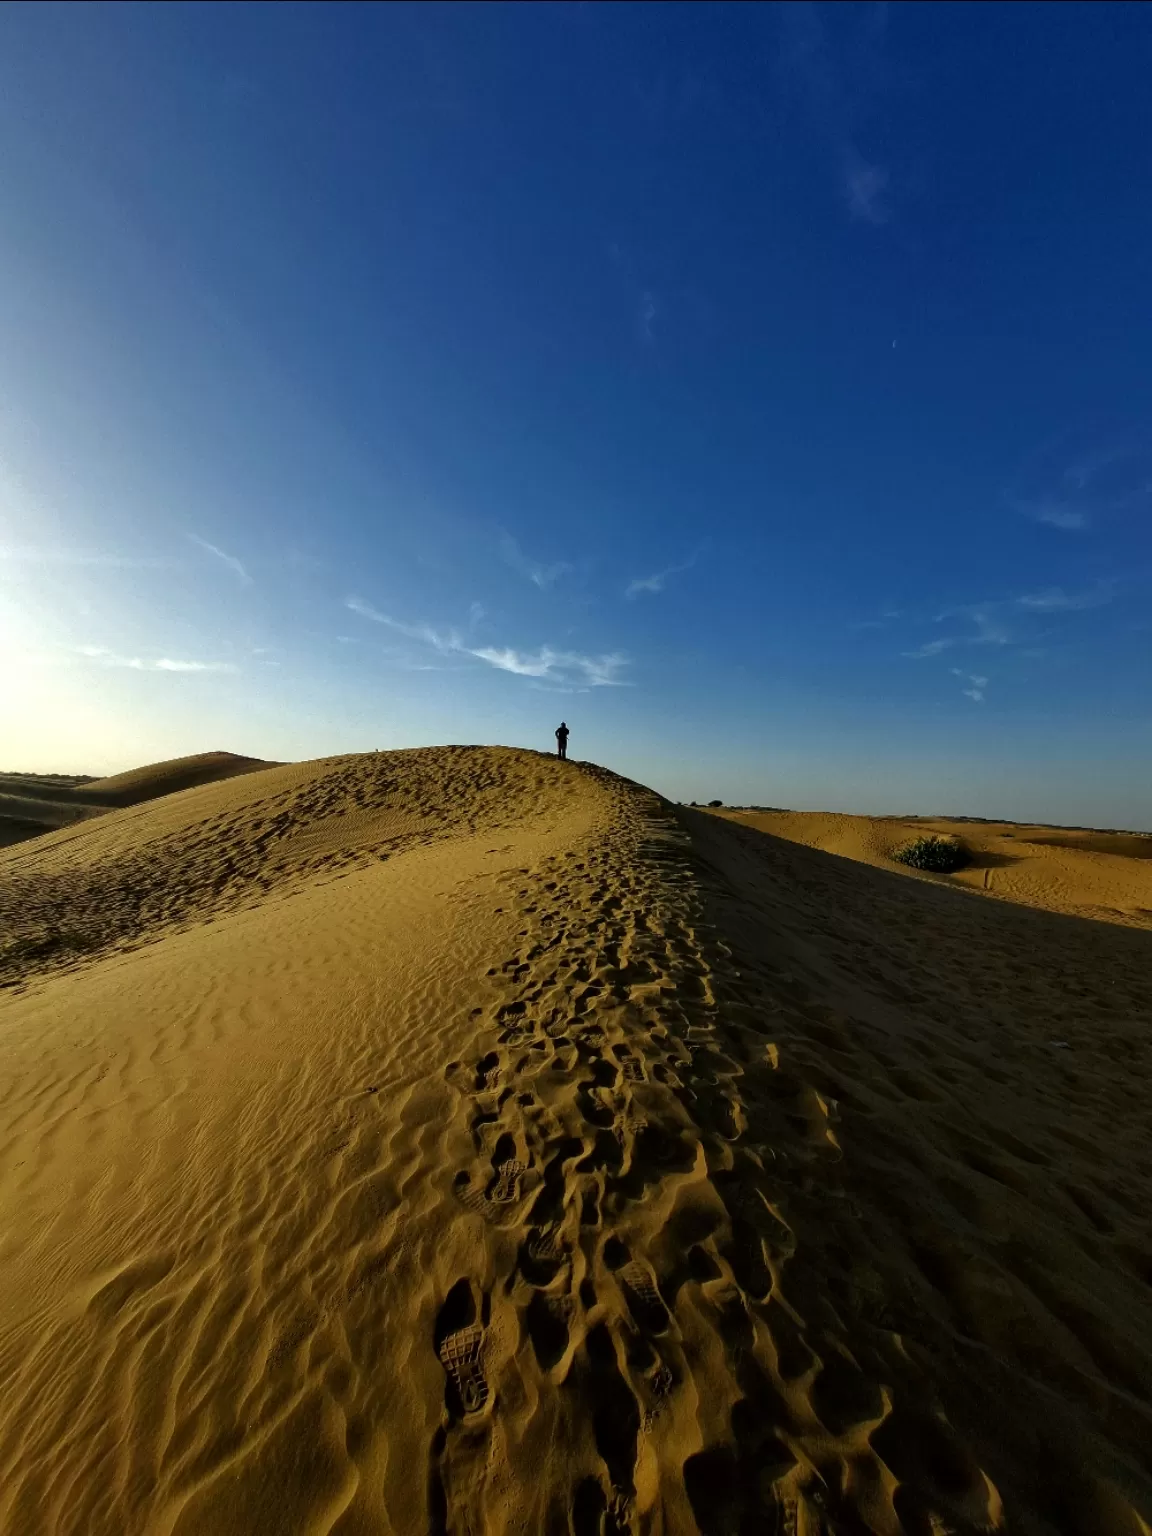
x=639, y=1236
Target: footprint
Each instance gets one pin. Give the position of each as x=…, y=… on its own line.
x=487, y=1072
x=461, y=1355
x=471, y=1199
x=630, y=1065
x=643, y=1298
x=505, y=1187
x=460, y=1346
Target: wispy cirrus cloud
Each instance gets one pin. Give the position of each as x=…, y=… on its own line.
x=1004, y=621
x=593, y=671
x=546, y=663
x=832, y=89
x=1056, y=600
x=976, y=685
x=889, y=616
x=658, y=580
x=1079, y=480
x=988, y=625
x=933, y=647
x=230, y=561
x=985, y=628
x=1056, y=514
x=536, y=571
x=108, y=658
x=444, y=641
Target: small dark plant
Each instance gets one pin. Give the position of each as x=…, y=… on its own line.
x=715, y=804
x=941, y=855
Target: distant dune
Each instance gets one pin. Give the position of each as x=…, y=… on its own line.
x=461, y=1141
x=1106, y=875
x=166, y=778
x=31, y=804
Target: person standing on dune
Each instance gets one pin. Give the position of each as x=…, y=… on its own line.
x=562, y=740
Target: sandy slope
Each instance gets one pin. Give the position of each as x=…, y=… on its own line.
x=32, y=804
x=460, y=1141
x=1106, y=875
x=168, y=777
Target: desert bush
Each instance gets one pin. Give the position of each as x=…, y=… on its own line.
x=941, y=855
x=715, y=804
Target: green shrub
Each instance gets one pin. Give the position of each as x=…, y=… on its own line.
x=714, y=804
x=939, y=854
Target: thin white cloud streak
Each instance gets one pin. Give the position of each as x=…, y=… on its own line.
x=1056, y=516
x=230, y=561
x=657, y=581
x=539, y=574
x=934, y=647
x=988, y=631
x=557, y=666
x=106, y=658
x=365, y=610
x=1075, y=490
x=977, y=685
x=1056, y=600
x=889, y=616
x=989, y=619
x=444, y=641
x=654, y=583
x=806, y=53
x=595, y=671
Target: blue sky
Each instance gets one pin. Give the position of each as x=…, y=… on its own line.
x=764, y=390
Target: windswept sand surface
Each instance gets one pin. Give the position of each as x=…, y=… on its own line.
x=32, y=804
x=1105, y=875
x=461, y=1141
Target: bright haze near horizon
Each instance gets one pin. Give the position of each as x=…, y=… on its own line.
x=763, y=390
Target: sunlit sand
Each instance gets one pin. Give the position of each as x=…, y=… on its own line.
x=458, y=1140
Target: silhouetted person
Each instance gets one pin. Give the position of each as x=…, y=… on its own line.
x=561, y=740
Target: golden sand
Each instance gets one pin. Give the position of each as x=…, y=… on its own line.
x=461, y=1141
x=1105, y=875
x=31, y=804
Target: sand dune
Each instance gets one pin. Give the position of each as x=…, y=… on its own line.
x=461, y=1141
x=168, y=777
x=32, y=804
x=1105, y=875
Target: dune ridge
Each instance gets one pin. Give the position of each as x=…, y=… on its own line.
x=33, y=804
x=168, y=777
x=461, y=1141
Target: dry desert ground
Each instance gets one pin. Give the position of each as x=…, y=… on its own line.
x=460, y=1141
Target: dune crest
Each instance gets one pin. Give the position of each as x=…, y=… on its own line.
x=168, y=777
x=34, y=804
x=461, y=1141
